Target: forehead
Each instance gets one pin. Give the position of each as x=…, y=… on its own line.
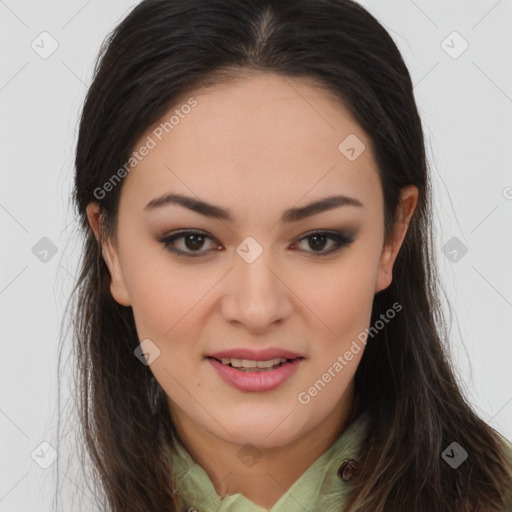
x=256, y=140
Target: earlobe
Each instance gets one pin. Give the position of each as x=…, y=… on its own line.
x=384, y=277
x=406, y=208
x=117, y=283
x=110, y=256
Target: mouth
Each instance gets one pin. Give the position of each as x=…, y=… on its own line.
x=252, y=366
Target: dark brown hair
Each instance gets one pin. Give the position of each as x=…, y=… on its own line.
x=166, y=48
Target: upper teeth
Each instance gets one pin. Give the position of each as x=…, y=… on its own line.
x=247, y=363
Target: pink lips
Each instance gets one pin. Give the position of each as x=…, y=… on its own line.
x=256, y=381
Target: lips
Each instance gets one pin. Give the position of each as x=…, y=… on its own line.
x=266, y=380
x=255, y=355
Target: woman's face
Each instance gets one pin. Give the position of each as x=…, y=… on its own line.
x=255, y=147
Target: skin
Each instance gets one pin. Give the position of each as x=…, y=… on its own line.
x=257, y=145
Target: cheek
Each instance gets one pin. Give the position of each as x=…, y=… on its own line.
x=340, y=299
x=162, y=294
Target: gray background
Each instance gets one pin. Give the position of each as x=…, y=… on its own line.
x=465, y=100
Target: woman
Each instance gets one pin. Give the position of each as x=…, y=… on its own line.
x=258, y=319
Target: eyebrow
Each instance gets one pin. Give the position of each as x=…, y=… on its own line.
x=217, y=212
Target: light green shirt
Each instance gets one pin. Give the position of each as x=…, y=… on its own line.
x=318, y=488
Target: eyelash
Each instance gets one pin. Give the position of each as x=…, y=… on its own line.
x=341, y=238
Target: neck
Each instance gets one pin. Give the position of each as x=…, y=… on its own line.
x=265, y=482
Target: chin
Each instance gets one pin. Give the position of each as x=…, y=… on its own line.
x=263, y=434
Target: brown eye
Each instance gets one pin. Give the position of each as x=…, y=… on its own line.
x=192, y=243
x=318, y=240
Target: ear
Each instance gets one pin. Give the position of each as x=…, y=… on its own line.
x=406, y=207
x=110, y=255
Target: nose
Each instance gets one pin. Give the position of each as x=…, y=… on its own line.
x=257, y=294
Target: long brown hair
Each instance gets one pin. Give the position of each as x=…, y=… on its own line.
x=164, y=49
